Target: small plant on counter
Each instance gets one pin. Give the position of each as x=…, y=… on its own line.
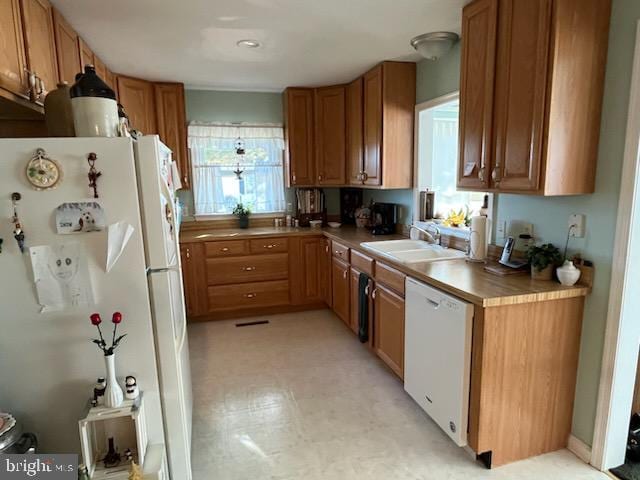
x=242, y=213
x=543, y=259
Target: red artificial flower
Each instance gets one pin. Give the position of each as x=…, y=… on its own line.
x=117, y=318
x=95, y=319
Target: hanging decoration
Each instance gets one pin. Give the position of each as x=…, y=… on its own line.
x=18, y=233
x=94, y=174
x=43, y=173
x=240, y=151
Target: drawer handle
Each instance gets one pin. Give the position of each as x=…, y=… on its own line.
x=344, y=274
x=248, y=269
x=326, y=248
x=374, y=293
x=250, y=295
x=338, y=252
x=270, y=246
x=224, y=249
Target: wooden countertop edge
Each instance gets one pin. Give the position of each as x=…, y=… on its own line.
x=559, y=293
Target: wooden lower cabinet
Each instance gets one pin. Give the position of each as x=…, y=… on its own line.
x=340, y=284
x=248, y=295
x=194, y=278
x=305, y=271
x=325, y=272
x=388, y=342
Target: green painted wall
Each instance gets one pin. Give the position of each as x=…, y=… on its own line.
x=219, y=106
x=550, y=214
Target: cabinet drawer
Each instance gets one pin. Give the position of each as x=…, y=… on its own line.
x=362, y=262
x=226, y=248
x=248, y=295
x=254, y=268
x=390, y=277
x=340, y=251
x=269, y=245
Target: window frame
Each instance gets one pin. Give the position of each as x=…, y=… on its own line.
x=419, y=108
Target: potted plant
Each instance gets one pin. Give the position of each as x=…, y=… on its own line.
x=242, y=213
x=543, y=259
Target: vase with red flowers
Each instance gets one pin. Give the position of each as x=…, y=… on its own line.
x=113, y=395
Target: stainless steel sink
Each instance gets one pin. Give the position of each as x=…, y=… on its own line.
x=412, y=252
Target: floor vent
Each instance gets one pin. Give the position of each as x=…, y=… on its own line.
x=250, y=324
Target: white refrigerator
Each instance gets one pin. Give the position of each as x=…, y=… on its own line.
x=47, y=361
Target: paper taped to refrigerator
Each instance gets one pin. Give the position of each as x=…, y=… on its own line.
x=118, y=235
x=61, y=275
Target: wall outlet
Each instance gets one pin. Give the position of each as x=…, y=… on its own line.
x=576, y=225
x=501, y=229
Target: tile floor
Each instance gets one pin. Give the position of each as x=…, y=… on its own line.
x=300, y=398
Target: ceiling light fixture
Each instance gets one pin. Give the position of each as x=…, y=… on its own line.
x=434, y=45
x=248, y=43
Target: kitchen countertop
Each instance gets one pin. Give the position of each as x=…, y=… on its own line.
x=462, y=279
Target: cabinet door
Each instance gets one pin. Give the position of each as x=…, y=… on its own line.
x=520, y=94
x=340, y=289
x=101, y=68
x=299, y=136
x=194, y=278
x=389, y=328
x=479, y=26
x=330, y=135
x=310, y=255
x=40, y=41
x=137, y=97
x=111, y=80
x=355, y=153
x=372, y=133
x=66, y=49
x=325, y=271
x=172, y=124
x=12, y=54
x=86, y=54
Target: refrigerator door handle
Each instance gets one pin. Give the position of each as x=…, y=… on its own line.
x=173, y=268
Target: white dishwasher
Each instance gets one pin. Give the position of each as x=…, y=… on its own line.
x=437, y=356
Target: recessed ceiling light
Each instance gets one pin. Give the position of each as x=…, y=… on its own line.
x=248, y=43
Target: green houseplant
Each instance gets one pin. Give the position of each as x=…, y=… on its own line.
x=242, y=213
x=543, y=259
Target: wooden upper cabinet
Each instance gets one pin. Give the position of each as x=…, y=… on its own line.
x=299, y=121
x=520, y=93
x=372, y=127
x=479, y=23
x=111, y=80
x=86, y=54
x=389, y=328
x=330, y=135
x=355, y=145
x=101, y=68
x=12, y=54
x=138, y=99
x=37, y=17
x=172, y=124
x=531, y=69
x=389, y=103
x=67, y=50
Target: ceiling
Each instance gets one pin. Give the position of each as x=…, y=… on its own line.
x=303, y=42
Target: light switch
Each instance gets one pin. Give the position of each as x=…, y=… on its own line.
x=576, y=225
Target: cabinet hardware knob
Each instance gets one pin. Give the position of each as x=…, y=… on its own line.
x=326, y=248
x=345, y=273
x=269, y=246
x=481, y=174
x=248, y=269
x=224, y=249
x=319, y=177
x=374, y=293
x=496, y=174
x=293, y=178
x=249, y=295
x=366, y=290
x=365, y=176
x=188, y=254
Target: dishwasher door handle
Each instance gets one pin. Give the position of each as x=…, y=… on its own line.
x=433, y=303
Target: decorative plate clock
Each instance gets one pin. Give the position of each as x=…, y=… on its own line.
x=43, y=173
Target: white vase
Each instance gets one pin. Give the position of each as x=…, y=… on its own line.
x=113, y=395
x=95, y=117
x=568, y=274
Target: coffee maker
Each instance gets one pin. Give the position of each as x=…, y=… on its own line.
x=384, y=217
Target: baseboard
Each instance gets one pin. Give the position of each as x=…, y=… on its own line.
x=579, y=449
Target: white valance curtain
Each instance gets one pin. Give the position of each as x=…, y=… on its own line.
x=216, y=189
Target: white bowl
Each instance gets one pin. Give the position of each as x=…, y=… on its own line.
x=334, y=224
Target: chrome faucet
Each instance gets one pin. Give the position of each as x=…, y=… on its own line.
x=434, y=237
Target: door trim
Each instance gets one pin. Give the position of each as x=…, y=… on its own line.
x=617, y=377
